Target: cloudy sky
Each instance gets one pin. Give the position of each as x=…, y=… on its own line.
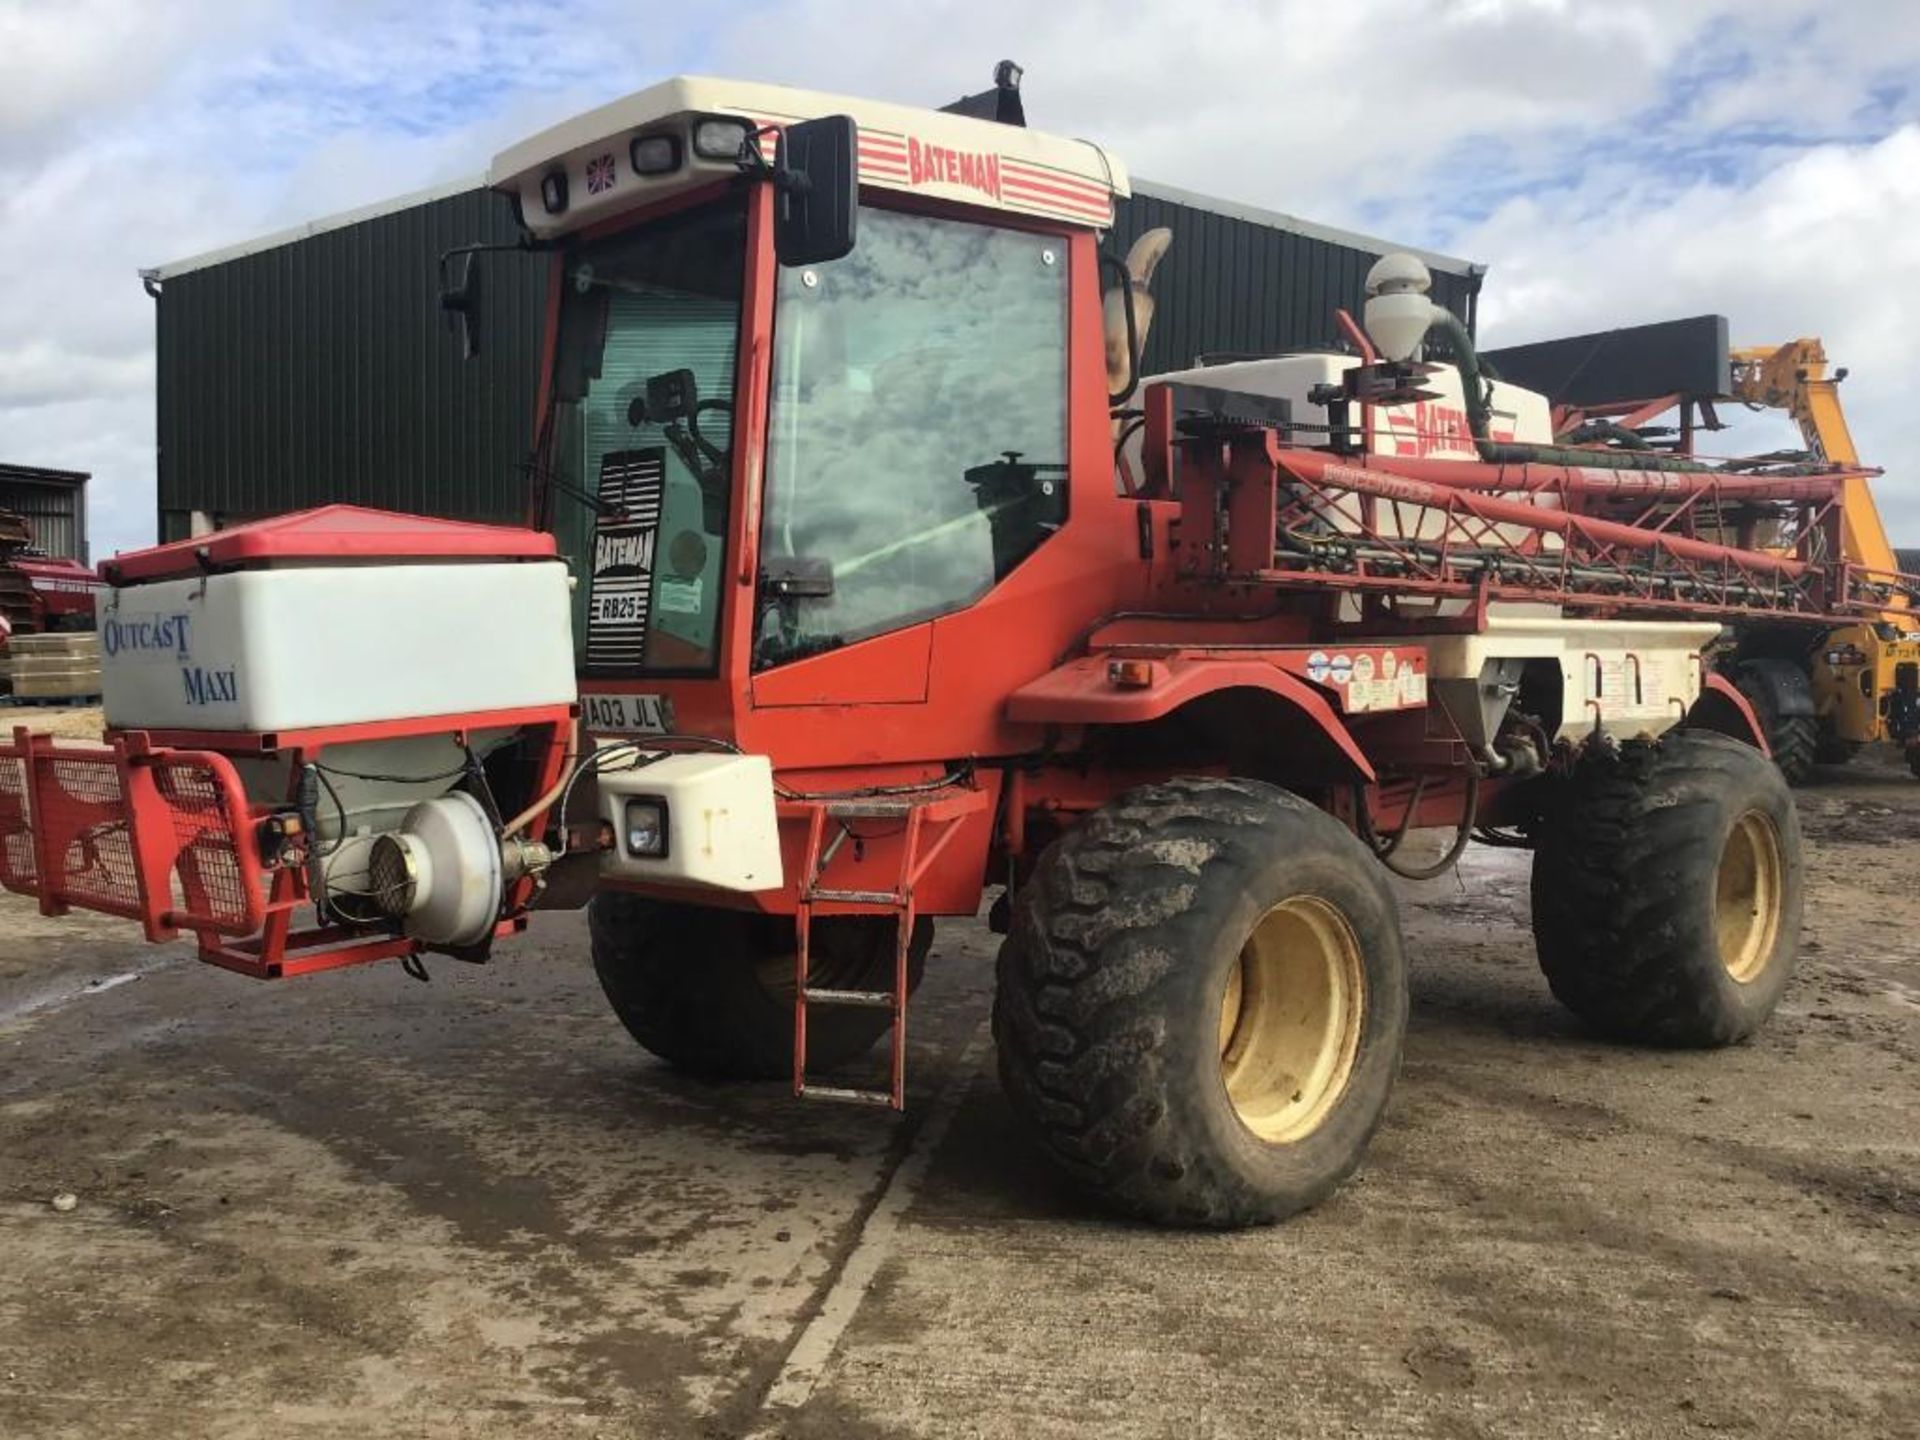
x=1611, y=163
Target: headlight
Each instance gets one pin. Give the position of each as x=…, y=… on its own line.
x=720, y=139
x=654, y=154
x=647, y=827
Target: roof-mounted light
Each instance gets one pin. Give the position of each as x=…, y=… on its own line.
x=655, y=154
x=720, y=137
x=553, y=191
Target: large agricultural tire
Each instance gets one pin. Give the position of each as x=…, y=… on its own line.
x=1201, y=1005
x=1794, y=739
x=1667, y=889
x=711, y=991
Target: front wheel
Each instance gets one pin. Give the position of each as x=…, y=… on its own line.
x=1201, y=1005
x=1667, y=887
x=711, y=991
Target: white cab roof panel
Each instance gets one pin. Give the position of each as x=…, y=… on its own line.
x=902, y=148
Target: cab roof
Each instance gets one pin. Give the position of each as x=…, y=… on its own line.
x=902, y=148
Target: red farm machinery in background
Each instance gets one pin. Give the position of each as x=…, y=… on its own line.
x=39, y=592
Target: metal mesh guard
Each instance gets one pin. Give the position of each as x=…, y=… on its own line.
x=66, y=809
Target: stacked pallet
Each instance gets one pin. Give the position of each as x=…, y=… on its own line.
x=51, y=668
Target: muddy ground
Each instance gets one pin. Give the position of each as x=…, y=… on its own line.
x=359, y=1205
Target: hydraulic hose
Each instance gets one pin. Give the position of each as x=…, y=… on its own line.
x=1505, y=452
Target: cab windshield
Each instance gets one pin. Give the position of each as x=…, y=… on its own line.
x=641, y=446
x=917, y=447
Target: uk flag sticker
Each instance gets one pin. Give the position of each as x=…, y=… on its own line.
x=600, y=175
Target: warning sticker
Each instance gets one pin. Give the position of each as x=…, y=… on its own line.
x=678, y=597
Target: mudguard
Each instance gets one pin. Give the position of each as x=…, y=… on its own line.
x=1084, y=692
x=1723, y=709
x=1786, y=688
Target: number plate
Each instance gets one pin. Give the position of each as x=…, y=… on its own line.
x=627, y=714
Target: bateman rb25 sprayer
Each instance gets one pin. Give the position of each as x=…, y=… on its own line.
x=863, y=577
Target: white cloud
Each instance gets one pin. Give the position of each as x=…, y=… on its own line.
x=1823, y=244
x=1612, y=162
x=64, y=61
x=40, y=373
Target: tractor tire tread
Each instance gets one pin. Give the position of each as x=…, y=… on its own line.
x=1621, y=923
x=1085, y=988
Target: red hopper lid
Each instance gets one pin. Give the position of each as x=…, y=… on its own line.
x=331, y=532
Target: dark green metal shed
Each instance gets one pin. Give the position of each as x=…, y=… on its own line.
x=315, y=365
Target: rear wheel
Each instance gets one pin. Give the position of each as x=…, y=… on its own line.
x=1201, y=1005
x=711, y=991
x=1667, y=888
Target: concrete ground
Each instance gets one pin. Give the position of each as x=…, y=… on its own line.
x=358, y=1205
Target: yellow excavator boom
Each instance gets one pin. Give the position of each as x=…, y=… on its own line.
x=1793, y=377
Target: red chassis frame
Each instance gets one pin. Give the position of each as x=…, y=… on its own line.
x=156, y=826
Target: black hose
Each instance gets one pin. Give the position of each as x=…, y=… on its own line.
x=1473, y=382
x=1597, y=430
x=1384, y=852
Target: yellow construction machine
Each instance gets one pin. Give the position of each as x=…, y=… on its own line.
x=1864, y=679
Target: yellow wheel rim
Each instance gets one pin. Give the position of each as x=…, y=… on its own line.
x=1747, y=896
x=1290, y=1018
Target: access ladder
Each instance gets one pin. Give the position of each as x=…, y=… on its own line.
x=930, y=820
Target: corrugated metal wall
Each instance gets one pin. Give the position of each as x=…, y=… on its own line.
x=322, y=370
x=1234, y=283
x=55, y=510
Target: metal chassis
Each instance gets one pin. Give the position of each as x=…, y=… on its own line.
x=265, y=944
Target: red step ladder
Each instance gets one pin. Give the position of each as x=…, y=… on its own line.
x=931, y=819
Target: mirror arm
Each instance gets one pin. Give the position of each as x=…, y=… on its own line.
x=753, y=162
x=480, y=247
x=524, y=242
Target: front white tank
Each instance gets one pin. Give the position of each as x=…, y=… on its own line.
x=322, y=644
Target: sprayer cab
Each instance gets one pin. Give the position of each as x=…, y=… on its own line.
x=816, y=368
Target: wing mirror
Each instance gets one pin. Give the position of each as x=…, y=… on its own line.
x=460, y=299
x=816, y=178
